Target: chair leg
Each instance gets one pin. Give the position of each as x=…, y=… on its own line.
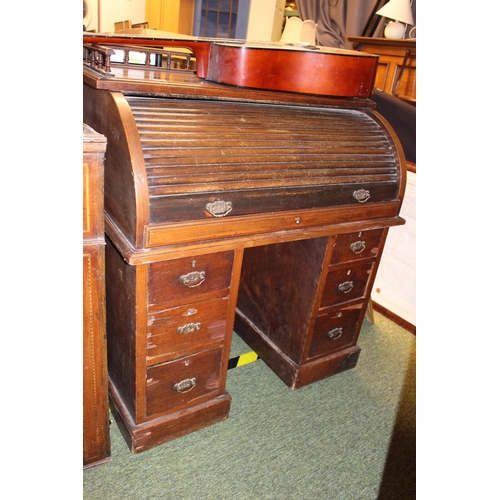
x=369, y=312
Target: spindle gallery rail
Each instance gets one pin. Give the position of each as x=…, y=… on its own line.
x=100, y=58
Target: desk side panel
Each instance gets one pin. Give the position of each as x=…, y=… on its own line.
x=125, y=196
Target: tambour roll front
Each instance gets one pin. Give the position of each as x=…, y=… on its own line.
x=225, y=207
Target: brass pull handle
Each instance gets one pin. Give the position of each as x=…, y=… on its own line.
x=219, y=208
x=361, y=195
x=189, y=328
x=335, y=333
x=193, y=279
x=346, y=287
x=185, y=385
x=358, y=246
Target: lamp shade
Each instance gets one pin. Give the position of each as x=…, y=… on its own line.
x=399, y=10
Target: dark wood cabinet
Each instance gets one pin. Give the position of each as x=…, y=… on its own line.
x=225, y=207
x=96, y=441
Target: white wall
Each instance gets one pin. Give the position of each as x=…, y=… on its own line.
x=112, y=11
x=265, y=20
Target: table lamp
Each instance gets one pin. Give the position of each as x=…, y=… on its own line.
x=400, y=12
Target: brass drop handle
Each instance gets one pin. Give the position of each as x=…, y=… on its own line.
x=189, y=328
x=358, y=246
x=185, y=385
x=193, y=279
x=335, y=333
x=361, y=195
x=346, y=287
x=219, y=208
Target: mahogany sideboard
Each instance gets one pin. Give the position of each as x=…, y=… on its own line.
x=262, y=211
x=397, y=64
x=96, y=440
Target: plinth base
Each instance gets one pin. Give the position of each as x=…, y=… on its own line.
x=141, y=437
x=293, y=375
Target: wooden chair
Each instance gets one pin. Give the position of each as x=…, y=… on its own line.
x=123, y=25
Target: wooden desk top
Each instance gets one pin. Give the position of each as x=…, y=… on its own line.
x=186, y=84
x=382, y=42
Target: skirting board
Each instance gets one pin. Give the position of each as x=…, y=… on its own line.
x=394, y=317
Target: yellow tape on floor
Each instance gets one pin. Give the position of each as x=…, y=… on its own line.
x=247, y=358
x=243, y=359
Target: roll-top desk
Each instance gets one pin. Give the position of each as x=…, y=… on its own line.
x=262, y=211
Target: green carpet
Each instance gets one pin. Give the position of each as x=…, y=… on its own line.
x=351, y=436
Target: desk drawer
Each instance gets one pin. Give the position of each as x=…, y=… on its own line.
x=355, y=246
x=334, y=329
x=175, y=282
x=185, y=329
x=183, y=382
x=346, y=283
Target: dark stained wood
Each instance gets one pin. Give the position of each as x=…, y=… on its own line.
x=122, y=327
x=334, y=330
x=227, y=206
x=210, y=275
x=96, y=440
x=201, y=324
x=301, y=304
x=174, y=385
x=278, y=288
x=141, y=437
x=187, y=85
x=346, y=282
x=363, y=160
x=294, y=375
x=357, y=245
x=259, y=229
x=102, y=109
